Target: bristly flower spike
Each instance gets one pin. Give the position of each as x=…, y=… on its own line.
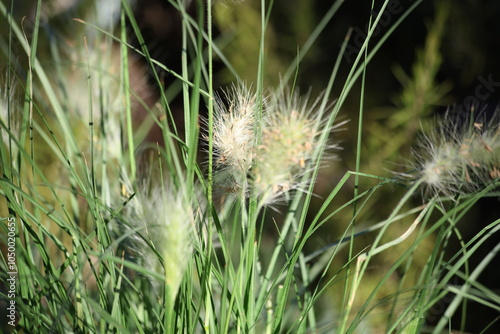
x=462, y=155
x=272, y=162
x=289, y=137
x=234, y=137
x=160, y=220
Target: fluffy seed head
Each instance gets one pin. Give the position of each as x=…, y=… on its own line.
x=161, y=221
x=90, y=90
x=289, y=136
x=462, y=155
x=234, y=136
x=267, y=155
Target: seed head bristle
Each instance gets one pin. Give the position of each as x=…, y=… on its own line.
x=461, y=155
x=273, y=161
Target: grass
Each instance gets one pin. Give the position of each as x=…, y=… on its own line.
x=117, y=233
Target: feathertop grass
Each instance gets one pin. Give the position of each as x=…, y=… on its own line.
x=266, y=156
x=462, y=154
x=113, y=246
x=160, y=222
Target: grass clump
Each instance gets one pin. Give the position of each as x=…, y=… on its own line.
x=118, y=232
